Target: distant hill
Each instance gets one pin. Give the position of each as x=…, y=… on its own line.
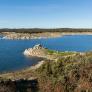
x=35, y=30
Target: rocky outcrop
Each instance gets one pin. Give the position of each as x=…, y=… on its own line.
x=36, y=51
x=39, y=51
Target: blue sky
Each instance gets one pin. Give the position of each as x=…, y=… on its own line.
x=45, y=13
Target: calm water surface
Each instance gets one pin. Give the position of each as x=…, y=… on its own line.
x=11, y=51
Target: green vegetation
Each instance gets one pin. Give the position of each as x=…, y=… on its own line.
x=70, y=74
x=52, y=52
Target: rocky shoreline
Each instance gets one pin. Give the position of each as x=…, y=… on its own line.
x=23, y=36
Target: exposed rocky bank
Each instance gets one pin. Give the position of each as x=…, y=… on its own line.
x=22, y=36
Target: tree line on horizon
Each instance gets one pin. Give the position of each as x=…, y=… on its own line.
x=39, y=30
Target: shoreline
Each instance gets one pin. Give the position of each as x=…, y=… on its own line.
x=44, y=35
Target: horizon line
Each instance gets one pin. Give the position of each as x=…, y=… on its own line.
x=47, y=28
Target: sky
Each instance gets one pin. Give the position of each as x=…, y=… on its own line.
x=45, y=13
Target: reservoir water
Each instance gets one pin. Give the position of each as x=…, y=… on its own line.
x=11, y=51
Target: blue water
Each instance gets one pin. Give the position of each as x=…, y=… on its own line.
x=11, y=51
x=1, y=36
